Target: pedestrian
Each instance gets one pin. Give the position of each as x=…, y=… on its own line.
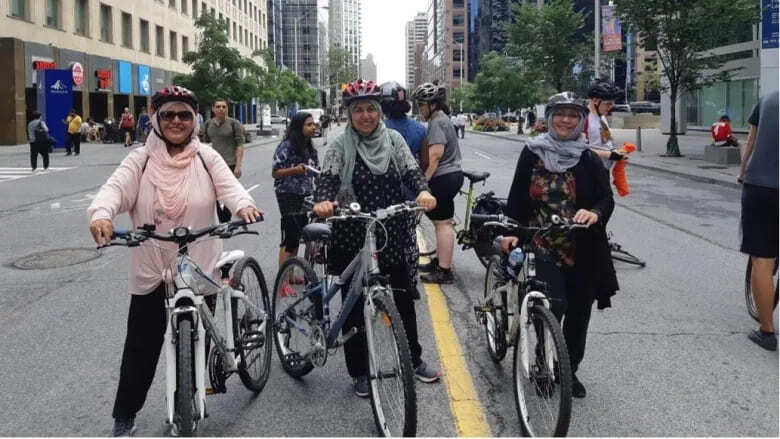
x=293, y=182
x=758, y=172
x=226, y=136
x=721, y=132
x=40, y=141
x=173, y=180
x=127, y=124
x=531, y=119
x=443, y=171
x=558, y=174
x=73, y=136
x=324, y=124
x=369, y=164
x=143, y=125
x=460, y=124
x=84, y=131
x=601, y=99
x=519, y=122
x=93, y=134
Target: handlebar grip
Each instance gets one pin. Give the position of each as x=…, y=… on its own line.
x=479, y=218
x=120, y=233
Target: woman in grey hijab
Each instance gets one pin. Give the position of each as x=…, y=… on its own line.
x=557, y=174
x=371, y=164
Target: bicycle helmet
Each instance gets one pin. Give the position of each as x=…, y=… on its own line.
x=603, y=90
x=430, y=91
x=359, y=90
x=392, y=91
x=566, y=99
x=174, y=93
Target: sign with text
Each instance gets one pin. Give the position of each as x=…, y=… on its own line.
x=125, y=77
x=55, y=99
x=769, y=24
x=611, y=32
x=103, y=80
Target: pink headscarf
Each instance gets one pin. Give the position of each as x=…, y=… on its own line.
x=171, y=176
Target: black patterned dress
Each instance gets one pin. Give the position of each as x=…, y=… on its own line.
x=553, y=194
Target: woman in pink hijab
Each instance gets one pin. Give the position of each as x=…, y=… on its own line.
x=172, y=181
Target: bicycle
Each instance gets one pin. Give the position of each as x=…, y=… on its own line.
x=749, y=299
x=472, y=234
x=515, y=311
x=304, y=332
x=622, y=255
x=244, y=347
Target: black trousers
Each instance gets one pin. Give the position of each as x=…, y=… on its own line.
x=356, y=349
x=43, y=150
x=145, y=332
x=74, y=141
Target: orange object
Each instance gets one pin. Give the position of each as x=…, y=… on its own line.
x=619, y=178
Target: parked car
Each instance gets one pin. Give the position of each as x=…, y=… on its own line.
x=509, y=117
x=621, y=108
x=645, y=107
x=275, y=118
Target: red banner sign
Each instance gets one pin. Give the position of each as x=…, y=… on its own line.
x=103, y=79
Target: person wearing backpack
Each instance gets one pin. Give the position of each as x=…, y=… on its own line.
x=38, y=135
x=226, y=136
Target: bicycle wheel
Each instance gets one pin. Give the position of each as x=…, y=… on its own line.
x=184, y=400
x=619, y=254
x=393, y=398
x=543, y=393
x=749, y=299
x=252, y=333
x=495, y=321
x=293, y=321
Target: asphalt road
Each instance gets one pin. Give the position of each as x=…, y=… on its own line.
x=671, y=358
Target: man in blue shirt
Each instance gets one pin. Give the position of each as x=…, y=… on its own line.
x=396, y=106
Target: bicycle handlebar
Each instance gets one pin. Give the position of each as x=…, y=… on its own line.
x=181, y=235
x=353, y=212
x=563, y=224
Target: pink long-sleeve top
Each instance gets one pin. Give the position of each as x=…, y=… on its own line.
x=129, y=190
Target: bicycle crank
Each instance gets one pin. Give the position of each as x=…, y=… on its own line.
x=217, y=374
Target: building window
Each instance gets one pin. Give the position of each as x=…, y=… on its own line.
x=185, y=45
x=235, y=38
x=195, y=8
x=457, y=20
x=228, y=26
x=81, y=17
x=173, y=46
x=160, y=40
x=184, y=7
x=144, y=36
x=172, y=4
x=19, y=8
x=106, y=24
x=127, y=30
x=457, y=3
x=53, y=13
x=458, y=37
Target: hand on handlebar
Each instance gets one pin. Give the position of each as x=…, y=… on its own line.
x=584, y=216
x=426, y=201
x=325, y=209
x=101, y=231
x=508, y=243
x=250, y=214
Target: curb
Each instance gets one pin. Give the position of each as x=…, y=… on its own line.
x=657, y=168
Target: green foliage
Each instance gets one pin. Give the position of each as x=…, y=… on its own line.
x=544, y=40
x=683, y=31
x=505, y=83
x=342, y=70
x=465, y=95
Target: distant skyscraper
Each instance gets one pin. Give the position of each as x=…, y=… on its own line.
x=344, y=27
x=274, y=26
x=445, y=57
x=415, y=35
x=301, y=40
x=368, y=68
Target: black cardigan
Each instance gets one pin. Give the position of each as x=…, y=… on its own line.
x=595, y=272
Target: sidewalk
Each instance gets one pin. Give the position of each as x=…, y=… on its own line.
x=691, y=165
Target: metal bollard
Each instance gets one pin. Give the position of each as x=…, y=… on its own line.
x=639, y=138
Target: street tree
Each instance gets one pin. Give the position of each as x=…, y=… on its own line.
x=342, y=69
x=505, y=82
x=683, y=32
x=464, y=96
x=545, y=39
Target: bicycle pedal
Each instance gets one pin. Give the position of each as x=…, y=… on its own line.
x=484, y=308
x=345, y=338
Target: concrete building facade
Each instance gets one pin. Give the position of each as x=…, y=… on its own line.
x=416, y=31
x=368, y=68
x=301, y=44
x=445, y=56
x=344, y=27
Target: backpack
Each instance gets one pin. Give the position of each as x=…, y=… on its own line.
x=40, y=135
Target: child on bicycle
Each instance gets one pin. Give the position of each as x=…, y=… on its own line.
x=292, y=182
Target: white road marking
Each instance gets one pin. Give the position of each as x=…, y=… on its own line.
x=484, y=156
x=9, y=174
x=55, y=205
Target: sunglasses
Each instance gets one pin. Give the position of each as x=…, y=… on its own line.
x=168, y=116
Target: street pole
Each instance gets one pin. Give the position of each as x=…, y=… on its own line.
x=461, y=77
x=596, y=39
x=295, y=44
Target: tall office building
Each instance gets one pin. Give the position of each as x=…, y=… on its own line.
x=274, y=25
x=119, y=52
x=445, y=56
x=416, y=30
x=487, y=29
x=344, y=27
x=301, y=40
x=368, y=68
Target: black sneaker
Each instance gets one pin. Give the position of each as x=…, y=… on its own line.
x=426, y=374
x=124, y=426
x=577, y=389
x=440, y=276
x=767, y=340
x=361, y=386
x=430, y=267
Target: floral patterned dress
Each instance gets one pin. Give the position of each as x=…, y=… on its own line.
x=553, y=194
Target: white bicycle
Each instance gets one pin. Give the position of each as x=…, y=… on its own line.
x=243, y=345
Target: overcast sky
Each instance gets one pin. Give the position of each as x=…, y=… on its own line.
x=384, y=35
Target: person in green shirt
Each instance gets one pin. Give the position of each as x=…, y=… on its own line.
x=226, y=136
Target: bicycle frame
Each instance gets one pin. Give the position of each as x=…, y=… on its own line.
x=469, y=204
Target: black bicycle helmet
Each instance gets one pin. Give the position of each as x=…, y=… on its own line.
x=360, y=89
x=566, y=99
x=174, y=93
x=392, y=91
x=430, y=91
x=603, y=90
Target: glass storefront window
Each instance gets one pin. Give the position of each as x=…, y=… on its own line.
x=712, y=100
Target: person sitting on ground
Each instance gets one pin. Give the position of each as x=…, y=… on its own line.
x=721, y=132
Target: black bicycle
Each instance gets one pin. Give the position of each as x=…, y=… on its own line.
x=471, y=233
x=749, y=299
x=304, y=333
x=621, y=254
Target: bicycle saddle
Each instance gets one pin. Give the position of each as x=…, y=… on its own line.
x=316, y=232
x=476, y=177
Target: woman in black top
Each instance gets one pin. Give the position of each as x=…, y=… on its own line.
x=557, y=174
x=370, y=164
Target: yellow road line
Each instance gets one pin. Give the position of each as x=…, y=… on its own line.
x=470, y=420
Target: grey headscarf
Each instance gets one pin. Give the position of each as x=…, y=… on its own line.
x=559, y=155
x=376, y=150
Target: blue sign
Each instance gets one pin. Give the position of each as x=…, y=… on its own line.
x=125, y=77
x=769, y=33
x=55, y=100
x=144, y=81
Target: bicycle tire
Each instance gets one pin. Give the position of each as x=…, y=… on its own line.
x=184, y=405
x=290, y=354
x=253, y=371
x=395, y=357
x=624, y=256
x=484, y=252
x=495, y=322
x=539, y=384
x=749, y=299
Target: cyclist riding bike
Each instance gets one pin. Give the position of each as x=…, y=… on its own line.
x=558, y=174
x=369, y=164
x=172, y=181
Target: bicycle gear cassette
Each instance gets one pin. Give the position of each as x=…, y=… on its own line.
x=319, y=347
x=217, y=374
